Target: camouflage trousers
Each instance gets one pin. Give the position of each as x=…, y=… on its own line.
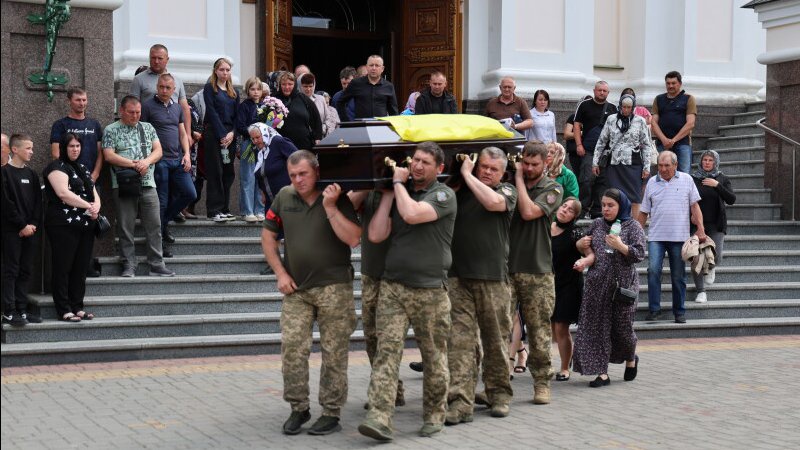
x=428, y=311
x=481, y=318
x=370, y=290
x=333, y=307
x=536, y=295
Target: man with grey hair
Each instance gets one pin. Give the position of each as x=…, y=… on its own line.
x=590, y=117
x=509, y=108
x=316, y=279
x=479, y=294
x=373, y=95
x=669, y=199
x=144, y=85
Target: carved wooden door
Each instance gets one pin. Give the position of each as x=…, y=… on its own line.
x=431, y=42
x=278, y=31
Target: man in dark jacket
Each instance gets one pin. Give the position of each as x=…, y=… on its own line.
x=435, y=99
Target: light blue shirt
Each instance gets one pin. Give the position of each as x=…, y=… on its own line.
x=544, y=127
x=669, y=205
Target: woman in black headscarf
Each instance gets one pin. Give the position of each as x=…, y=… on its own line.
x=302, y=125
x=715, y=192
x=569, y=282
x=605, y=328
x=73, y=207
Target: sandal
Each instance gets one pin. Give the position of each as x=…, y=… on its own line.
x=83, y=315
x=561, y=377
x=521, y=369
x=69, y=317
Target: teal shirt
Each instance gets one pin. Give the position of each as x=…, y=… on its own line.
x=124, y=139
x=569, y=182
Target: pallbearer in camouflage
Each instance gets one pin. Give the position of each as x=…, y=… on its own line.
x=373, y=258
x=479, y=292
x=316, y=278
x=413, y=289
x=530, y=262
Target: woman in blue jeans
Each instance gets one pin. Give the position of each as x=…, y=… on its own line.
x=251, y=206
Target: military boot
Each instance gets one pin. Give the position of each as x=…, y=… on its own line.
x=541, y=395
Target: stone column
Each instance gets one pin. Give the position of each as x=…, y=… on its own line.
x=84, y=51
x=781, y=19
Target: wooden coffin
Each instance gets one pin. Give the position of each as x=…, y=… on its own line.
x=355, y=154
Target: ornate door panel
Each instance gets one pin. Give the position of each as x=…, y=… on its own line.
x=431, y=42
x=279, y=35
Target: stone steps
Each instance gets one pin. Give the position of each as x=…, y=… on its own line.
x=74, y=352
x=749, y=140
x=753, y=195
x=749, y=117
x=754, y=211
x=740, y=129
x=755, y=106
x=747, y=181
x=742, y=274
x=733, y=154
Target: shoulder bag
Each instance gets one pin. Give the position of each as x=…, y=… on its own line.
x=129, y=181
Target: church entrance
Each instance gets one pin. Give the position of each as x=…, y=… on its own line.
x=414, y=37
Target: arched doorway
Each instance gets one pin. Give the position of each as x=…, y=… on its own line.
x=414, y=37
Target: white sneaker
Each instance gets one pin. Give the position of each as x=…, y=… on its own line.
x=229, y=216
x=250, y=218
x=710, y=276
x=219, y=217
x=260, y=217
x=701, y=298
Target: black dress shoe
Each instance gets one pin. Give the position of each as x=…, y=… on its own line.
x=415, y=366
x=179, y=218
x=599, y=382
x=168, y=237
x=630, y=372
x=680, y=318
x=165, y=252
x=653, y=316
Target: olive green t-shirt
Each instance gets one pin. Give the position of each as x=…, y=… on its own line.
x=373, y=256
x=419, y=255
x=530, y=239
x=314, y=256
x=480, y=238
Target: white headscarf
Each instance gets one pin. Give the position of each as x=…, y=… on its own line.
x=267, y=133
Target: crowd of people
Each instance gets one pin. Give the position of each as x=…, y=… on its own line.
x=471, y=293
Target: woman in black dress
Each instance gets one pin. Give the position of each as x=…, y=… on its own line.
x=73, y=206
x=302, y=125
x=569, y=282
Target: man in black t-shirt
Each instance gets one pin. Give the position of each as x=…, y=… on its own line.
x=374, y=96
x=87, y=129
x=590, y=116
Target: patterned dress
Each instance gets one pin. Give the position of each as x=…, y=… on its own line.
x=605, y=328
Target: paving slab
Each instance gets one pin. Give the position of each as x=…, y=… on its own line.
x=740, y=392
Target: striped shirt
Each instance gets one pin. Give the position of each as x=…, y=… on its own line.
x=669, y=204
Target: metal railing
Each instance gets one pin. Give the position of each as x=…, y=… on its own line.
x=795, y=145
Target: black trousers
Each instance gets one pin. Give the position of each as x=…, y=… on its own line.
x=219, y=176
x=71, y=255
x=18, y=253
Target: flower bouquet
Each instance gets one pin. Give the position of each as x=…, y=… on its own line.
x=272, y=111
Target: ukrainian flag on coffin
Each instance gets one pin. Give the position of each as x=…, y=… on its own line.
x=447, y=127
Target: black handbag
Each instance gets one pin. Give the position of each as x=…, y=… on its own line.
x=129, y=181
x=605, y=159
x=102, y=225
x=624, y=296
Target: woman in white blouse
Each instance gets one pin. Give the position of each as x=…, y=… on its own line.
x=544, y=121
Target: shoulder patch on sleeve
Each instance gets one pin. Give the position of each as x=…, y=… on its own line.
x=506, y=191
x=441, y=196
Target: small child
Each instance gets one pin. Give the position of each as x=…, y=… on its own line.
x=22, y=212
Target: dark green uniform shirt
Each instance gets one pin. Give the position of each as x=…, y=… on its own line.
x=480, y=237
x=314, y=256
x=419, y=255
x=373, y=256
x=530, y=239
